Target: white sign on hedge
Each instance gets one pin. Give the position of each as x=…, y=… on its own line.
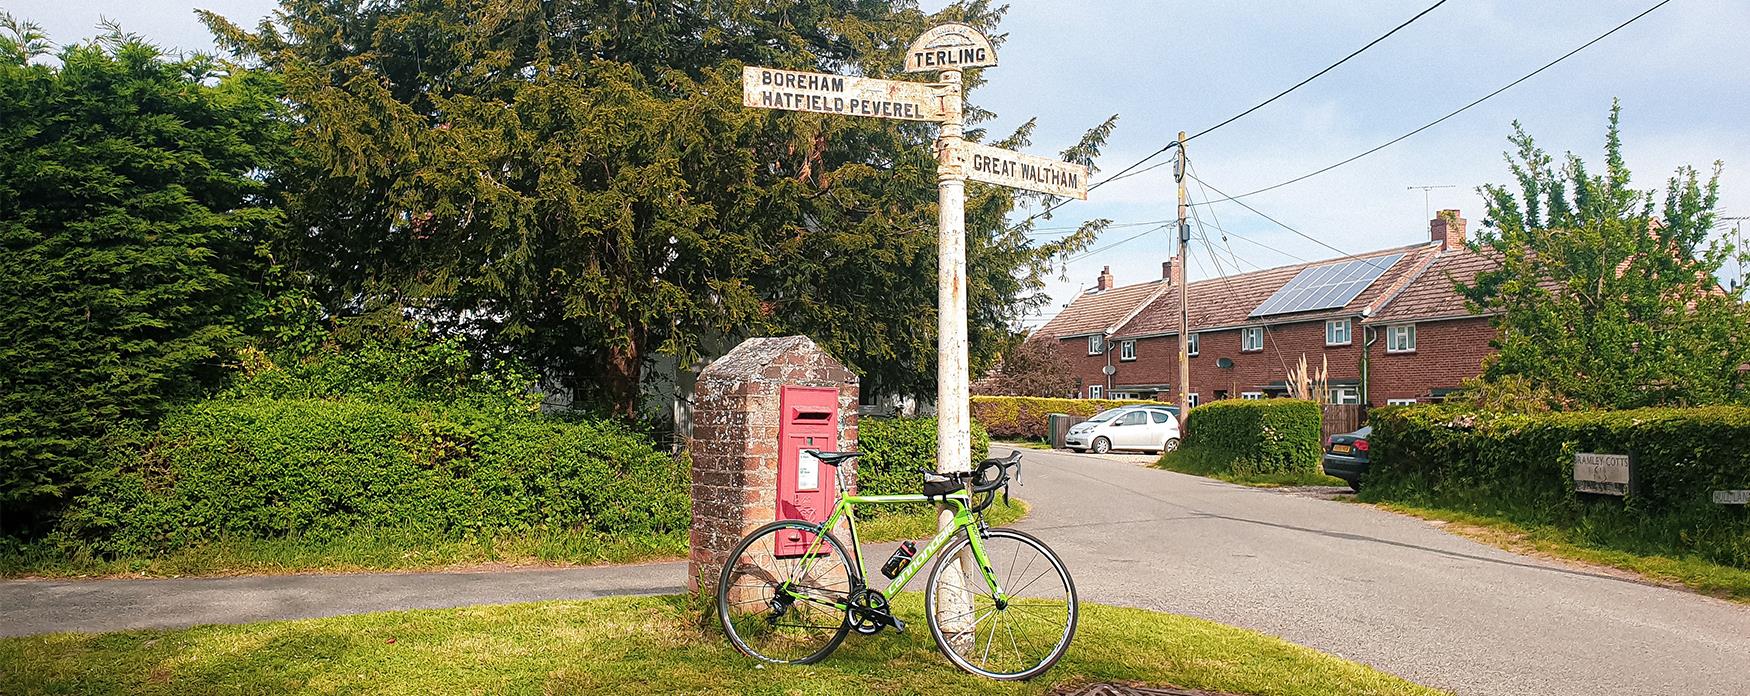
x=1605, y=474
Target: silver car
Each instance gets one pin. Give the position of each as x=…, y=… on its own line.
x=1151, y=428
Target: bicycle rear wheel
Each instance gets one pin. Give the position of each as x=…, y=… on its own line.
x=1018, y=637
x=785, y=608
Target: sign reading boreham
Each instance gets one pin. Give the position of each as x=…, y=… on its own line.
x=825, y=93
x=951, y=46
x=1606, y=474
x=994, y=165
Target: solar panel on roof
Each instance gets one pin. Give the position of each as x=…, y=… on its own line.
x=1326, y=287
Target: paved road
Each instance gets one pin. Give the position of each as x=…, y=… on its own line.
x=1386, y=590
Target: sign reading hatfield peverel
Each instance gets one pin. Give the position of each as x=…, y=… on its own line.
x=951, y=46
x=1606, y=474
x=824, y=93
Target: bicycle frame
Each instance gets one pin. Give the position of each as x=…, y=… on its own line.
x=845, y=509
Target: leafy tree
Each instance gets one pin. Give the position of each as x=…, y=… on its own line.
x=1033, y=367
x=1606, y=298
x=132, y=202
x=579, y=181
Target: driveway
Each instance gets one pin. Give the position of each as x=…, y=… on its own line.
x=1387, y=590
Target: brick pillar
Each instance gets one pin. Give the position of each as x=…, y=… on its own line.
x=734, y=444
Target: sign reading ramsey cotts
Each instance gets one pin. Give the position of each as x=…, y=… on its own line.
x=824, y=93
x=1606, y=474
x=994, y=165
x=951, y=46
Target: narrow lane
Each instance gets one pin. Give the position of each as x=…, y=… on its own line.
x=1378, y=588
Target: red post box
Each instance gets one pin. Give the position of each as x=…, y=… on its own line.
x=808, y=419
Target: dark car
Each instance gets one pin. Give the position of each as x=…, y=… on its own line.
x=1346, y=456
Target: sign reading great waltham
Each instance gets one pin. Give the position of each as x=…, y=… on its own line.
x=824, y=93
x=951, y=46
x=994, y=165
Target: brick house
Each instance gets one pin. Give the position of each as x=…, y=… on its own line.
x=1389, y=324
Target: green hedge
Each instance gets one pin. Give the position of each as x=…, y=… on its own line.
x=894, y=448
x=1521, y=466
x=1244, y=437
x=255, y=469
x=1024, y=417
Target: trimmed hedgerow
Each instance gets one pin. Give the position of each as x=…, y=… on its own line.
x=894, y=448
x=1250, y=438
x=1024, y=417
x=265, y=469
x=1520, y=466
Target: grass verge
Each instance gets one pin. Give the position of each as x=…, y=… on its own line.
x=1700, y=575
x=1199, y=463
x=636, y=645
x=390, y=550
x=1023, y=444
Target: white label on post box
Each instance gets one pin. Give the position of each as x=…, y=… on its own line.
x=807, y=472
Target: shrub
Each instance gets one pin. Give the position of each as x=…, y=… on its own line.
x=1521, y=466
x=894, y=448
x=260, y=469
x=402, y=364
x=1025, y=416
x=1247, y=438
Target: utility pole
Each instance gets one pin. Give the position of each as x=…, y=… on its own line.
x=1184, y=289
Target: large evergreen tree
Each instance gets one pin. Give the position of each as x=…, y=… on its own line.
x=579, y=181
x=1606, y=298
x=132, y=203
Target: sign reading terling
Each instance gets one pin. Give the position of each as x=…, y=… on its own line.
x=994, y=165
x=951, y=46
x=1606, y=474
x=824, y=93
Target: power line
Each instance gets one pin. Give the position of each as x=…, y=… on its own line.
x=1279, y=223
x=1125, y=240
x=1460, y=110
x=1125, y=171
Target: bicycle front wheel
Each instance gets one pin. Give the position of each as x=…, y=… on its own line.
x=1015, y=635
x=778, y=605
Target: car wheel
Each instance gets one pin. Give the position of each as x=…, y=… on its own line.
x=1171, y=444
x=1102, y=445
x=1354, y=484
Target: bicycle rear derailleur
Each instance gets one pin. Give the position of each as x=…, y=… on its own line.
x=869, y=613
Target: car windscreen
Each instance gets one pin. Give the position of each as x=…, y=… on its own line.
x=1105, y=415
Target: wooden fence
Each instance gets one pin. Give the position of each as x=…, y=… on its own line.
x=1342, y=418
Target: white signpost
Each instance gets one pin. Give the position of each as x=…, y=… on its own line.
x=994, y=165
x=823, y=93
x=946, y=49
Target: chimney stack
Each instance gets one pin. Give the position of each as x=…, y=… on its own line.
x=1105, y=282
x=1447, y=228
x=1167, y=270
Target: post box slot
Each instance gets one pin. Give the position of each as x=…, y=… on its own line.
x=809, y=416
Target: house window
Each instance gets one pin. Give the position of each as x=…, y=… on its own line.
x=1399, y=402
x=1252, y=396
x=1123, y=395
x=1400, y=338
x=1345, y=395
x=1337, y=332
x=1251, y=338
x=1095, y=391
x=1191, y=345
x=1096, y=345
x=1191, y=399
x=1127, y=350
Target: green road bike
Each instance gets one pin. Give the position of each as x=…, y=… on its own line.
x=999, y=602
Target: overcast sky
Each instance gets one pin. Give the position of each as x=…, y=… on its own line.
x=1170, y=66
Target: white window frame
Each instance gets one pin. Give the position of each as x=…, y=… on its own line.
x=1247, y=345
x=1399, y=402
x=1127, y=350
x=1400, y=338
x=1192, y=344
x=1122, y=396
x=1191, y=399
x=1332, y=328
x=1096, y=344
x=1252, y=396
x=1096, y=391
x=1349, y=395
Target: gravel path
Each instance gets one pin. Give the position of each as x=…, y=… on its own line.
x=1387, y=590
